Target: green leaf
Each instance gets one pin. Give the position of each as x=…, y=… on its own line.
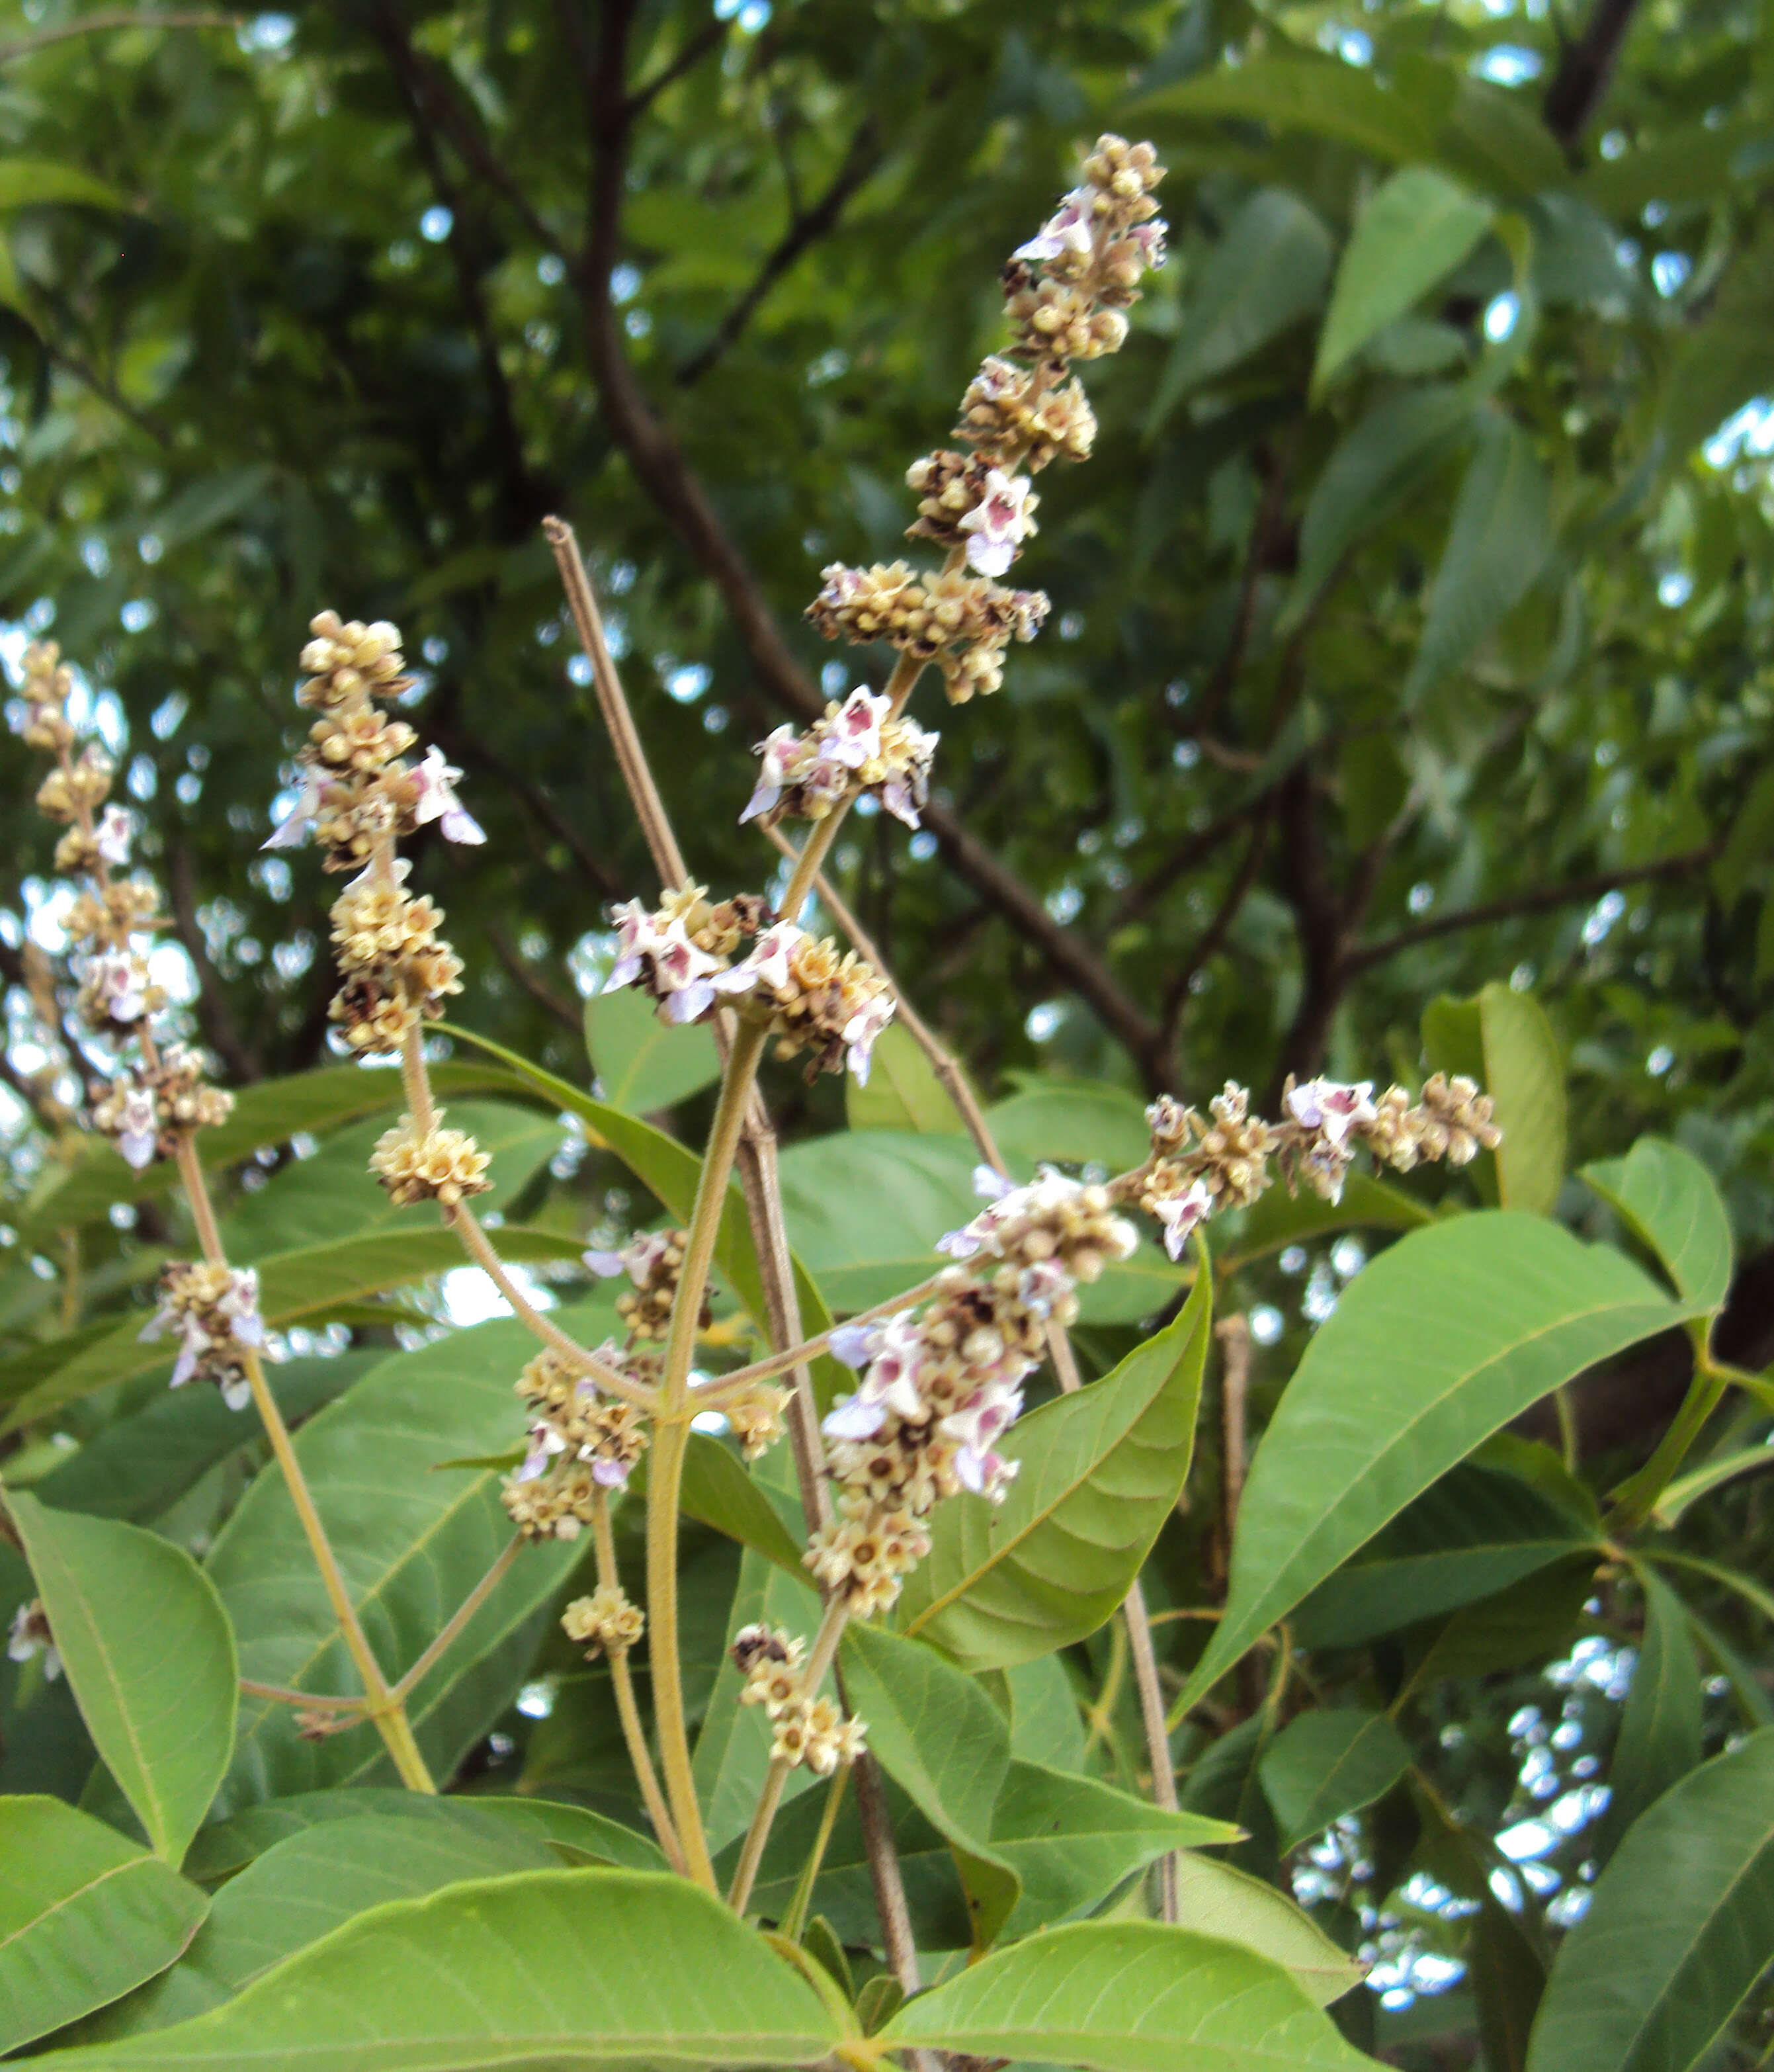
x=300, y=1890
x=938, y=1736
x=1321, y=96
x=1679, y=1928
x=1377, y=468
x=1496, y=544
x=561, y=1968
x=85, y=1916
x=29, y=183
x=575, y=1833
x=1072, y=1840
x=1128, y=1996
x=718, y=1491
x=1726, y=358
x=732, y=1750
x=149, y=1652
x=1074, y=1121
x=1045, y=1723
x=295, y=1287
x=1440, y=1342
x=1416, y=229
x=1688, y=1489
x=641, y=1063
x=1218, y=1899
x=1523, y=1623
x=1099, y=1473
x=1266, y=272
x=1278, y=1218
x=412, y=1545
x=1671, y=1204
x=1475, y=1532
x=1659, y=1739
x=903, y=1091
x=1327, y=1763
x=1502, y=1038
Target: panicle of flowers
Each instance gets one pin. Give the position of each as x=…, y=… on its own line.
x=1066, y=291
x=1200, y=1165
x=156, y=1096
x=809, y=994
x=433, y=1164
x=605, y=1623
x=941, y=1385
x=29, y=1634
x=653, y=1262
x=810, y=1732
x=857, y=747
x=213, y=1311
x=582, y=1443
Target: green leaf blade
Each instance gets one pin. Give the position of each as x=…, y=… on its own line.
x=1670, y=1202
x=1328, y=1763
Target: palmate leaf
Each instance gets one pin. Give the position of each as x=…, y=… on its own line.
x=569, y=1969
x=1099, y=1472
x=1438, y=1343
x=85, y=1916
x=149, y=1654
x=1128, y=1996
x=412, y=1545
x=1680, y=1927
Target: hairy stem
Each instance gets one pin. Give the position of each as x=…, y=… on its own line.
x=825, y=1650
x=664, y=1486
x=622, y=1683
x=794, y=1921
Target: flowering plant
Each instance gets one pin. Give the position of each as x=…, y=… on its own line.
x=889, y=1777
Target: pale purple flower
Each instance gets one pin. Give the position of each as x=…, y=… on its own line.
x=606, y=1265
x=436, y=781
x=958, y=1243
x=119, y=978
x=988, y=1474
x=855, y=734
x=195, y=1342
x=545, y=1442
x=861, y=1030
x=114, y=834
x=1150, y=238
x=1331, y=1107
x=292, y=830
x=989, y=1184
x=1041, y=1286
x=854, y=1417
x=998, y=523
x=1183, y=1214
x=138, y=1131
x=611, y=1474
x=853, y=1343
x=1066, y=230
x=774, y=751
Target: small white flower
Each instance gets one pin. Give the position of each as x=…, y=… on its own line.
x=989, y=1184
x=775, y=751
x=29, y=1635
x=114, y=834
x=1332, y=1108
x=855, y=734
x=139, y=1132
x=1066, y=230
x=292, y=830
x=1183, y=1214
x=120, y=979
x=853, y=1343
x=860, y=1032
x=437, y=782
x=854, y=1417
x=999, y=522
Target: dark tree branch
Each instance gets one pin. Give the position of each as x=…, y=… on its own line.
x=1541, y=899
x=1318, y=925
x=1212, y=936
x=1585, y=70
x=1264, y=530
x=806, y=228
x=707, y=39
x=214, y=1016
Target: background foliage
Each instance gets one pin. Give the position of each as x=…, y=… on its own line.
x=1411, y=639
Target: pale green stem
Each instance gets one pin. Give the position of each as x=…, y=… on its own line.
x=622, y=1683
x=794, y=1921
x=825, y=1649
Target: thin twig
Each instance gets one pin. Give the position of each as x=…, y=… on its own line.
x=712, y=1393
x=280, y=1694
x=706, y=40
x=470, y=1604
x=822, y=1655
x=1234, y=1333
x=622, y=1683
x=96, y=25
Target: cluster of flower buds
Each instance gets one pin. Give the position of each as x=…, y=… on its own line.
x=29, y=1634
x=214, y=1312
x=397, y=970
x=806, y=992
x=963, y=623
x=582, y=1443
x=433, y=1164
x=1065, y=291
x=152, y=1104
x=810, y=1732
x=653, y=1262
x=145, y=1110
x=358, y=791
x=857, y=747
x=755, y=1416
x=940, y=1386
x=604, y=1623
x=1200, y=1165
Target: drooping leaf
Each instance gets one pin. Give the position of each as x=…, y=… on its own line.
x=1680, y=1927
x=85, y=1916
x=149, y=1652
x=1496, y=544
x=412, y=1545
x=938, y=1736
x=1099, y=1473
x=28, y=182
x=1267, y=272
x=1438, y=1343
x=1327, y=1763
x=1670, y=1202
x=717, y=1490
x=1216, y=1898
x=1072, y=1840
x=641, y=1063
x=1128, y=1996
x=903, y=1091
x=302, y=1888
x=501, y=1971
x=1525, y=1622
x=1321, y=96
x=1503, y=1039
x=1659, y=1739
x=1416, y=229
x=576, y=1833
